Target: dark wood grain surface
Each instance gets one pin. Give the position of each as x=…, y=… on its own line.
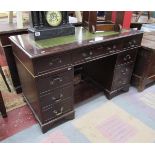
x=47, y=69
x=6, y=28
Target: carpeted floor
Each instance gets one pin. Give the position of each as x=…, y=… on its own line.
x=129, y=117
x=11, y=99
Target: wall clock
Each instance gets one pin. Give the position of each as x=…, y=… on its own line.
x=49, y=24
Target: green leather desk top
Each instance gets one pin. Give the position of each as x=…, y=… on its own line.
x=81, y=34
x=81, y=39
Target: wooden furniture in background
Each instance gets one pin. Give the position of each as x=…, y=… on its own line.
x=3, y=76
x=144, y=71
x=2, y=105
x=109, y=23
x=92, y=23
x=140, y=13
x=47, y=69
x=7, y=30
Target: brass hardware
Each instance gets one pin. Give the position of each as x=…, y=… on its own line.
x=124, y=71
x=114, y=46
x=134, y=41
x=127, y=57
x=54, y=61
x=56, y=79
x=58, y=113
x=88, y=58
x=108, y=48
x=51, y=63
x=84, y=54
x=90, y=53
x=57, y=99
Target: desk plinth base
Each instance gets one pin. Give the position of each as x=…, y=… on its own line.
x=49, y=125
x=111, y=94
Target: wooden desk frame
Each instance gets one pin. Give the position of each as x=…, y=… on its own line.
x=47, y=77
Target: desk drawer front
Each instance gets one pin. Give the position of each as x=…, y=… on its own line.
x=126, y=57
x=58, y=109
x=52, y=81
x=52, y=62
x=56, y=96
x=90, y=53
x=122, y=76
x=108, y=48
x=84, y=54
x=132, y=42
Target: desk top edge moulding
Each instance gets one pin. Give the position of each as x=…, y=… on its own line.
x=48, y=24
x=82, y=37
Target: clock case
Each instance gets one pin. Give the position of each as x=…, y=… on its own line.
x=40, y=28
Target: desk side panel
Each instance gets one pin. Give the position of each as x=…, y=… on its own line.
x=23, y=58
x=28, y=83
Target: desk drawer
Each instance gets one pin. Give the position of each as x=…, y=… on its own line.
x=126, y=57
x=48, y=63
x=56, y=96
x=90, y=53
x=58, y=109
x=108, y=48
x=49, y=82
x=132, y=42
x=122, y=76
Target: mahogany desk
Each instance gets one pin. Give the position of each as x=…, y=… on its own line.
x=46, y=68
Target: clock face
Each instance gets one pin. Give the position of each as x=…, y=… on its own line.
x=54, y=18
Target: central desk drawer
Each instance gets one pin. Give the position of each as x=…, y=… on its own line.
x=58, y=109
x=56, y=96
x=52, y=81
x=48, y=63
x=90, y=53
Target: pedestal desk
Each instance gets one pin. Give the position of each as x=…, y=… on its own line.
x=47, y=68
x=144, y=71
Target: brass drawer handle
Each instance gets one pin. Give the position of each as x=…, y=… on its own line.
x=57, y=99
x=114, y=46
x=124, y=71
x=88, y=58
x=127, y=57
x=58, y=113
x=84, y=54
x=90, y=53
x=123, y=82
x=130, y=43
x=100, y=48
x=56, y=79
x=134, y=41
x=108, y=48
x=54, y=61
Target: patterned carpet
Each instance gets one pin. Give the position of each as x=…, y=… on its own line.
x=11, y=99
x=129, y=117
